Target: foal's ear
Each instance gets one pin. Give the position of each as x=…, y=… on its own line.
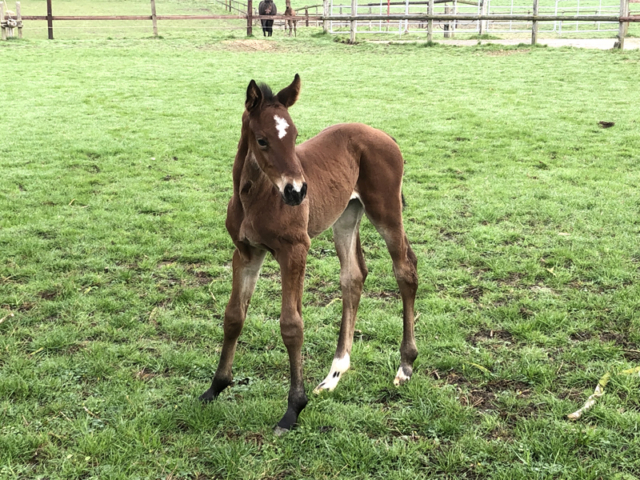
x=254, y=96
x=288, y=95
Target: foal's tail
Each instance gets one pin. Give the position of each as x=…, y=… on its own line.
x=404, y=201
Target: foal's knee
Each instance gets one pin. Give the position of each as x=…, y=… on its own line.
x=352, y=278
x=291, y=328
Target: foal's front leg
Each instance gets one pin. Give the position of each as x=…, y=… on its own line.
x=292, y=266
x=246, y=268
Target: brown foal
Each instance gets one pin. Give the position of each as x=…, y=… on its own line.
x=284, y=195
x=290, y=23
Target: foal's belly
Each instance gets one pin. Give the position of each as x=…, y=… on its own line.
x=322, y=219
x=331, y=180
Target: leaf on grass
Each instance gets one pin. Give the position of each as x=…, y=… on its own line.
x=481, y=368
x=604, y=380
x=591, y=401
x=631, y=371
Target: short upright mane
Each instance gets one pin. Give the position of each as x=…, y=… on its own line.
x=267, y=94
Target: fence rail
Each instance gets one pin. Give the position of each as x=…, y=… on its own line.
x=623, y=18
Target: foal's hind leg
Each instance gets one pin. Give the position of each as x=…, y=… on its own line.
x=386, y=216
x=246, y=269
x=353, y=273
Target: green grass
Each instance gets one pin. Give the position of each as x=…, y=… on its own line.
x=115, y=264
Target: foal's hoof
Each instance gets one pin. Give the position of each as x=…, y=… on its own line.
x=401, y=377
x=329, y=383
x=207, y=396
x=338, y=367
x=279, y=431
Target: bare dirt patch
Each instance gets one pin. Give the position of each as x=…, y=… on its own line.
x=629, y=348
x=485, y=397
x=250, y=46
x=50, y=294
x=384, y=295
x=144, y=374
x=512, y=280
x=581, y=336
x=473, y=292
x=487, y=335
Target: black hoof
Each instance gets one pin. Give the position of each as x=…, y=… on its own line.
x=207, y=396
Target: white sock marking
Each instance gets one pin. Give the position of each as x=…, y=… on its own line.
x=281, y=126
x=338, y=367
x=400, y=377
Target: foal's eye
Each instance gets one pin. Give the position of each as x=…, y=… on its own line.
x=262, y=142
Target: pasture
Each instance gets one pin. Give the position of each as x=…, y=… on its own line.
x=115, y=264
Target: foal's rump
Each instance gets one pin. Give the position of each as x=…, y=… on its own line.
x=347, y=160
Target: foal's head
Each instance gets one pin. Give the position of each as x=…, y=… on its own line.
x=272, y=138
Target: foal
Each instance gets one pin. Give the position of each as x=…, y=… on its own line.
x=284, y=195
x=292, y=24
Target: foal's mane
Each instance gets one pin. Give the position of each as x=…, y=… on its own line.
x=267, y=93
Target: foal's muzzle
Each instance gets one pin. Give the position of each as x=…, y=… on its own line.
x=293, y=197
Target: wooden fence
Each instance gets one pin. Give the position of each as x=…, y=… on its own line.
x=246, y=12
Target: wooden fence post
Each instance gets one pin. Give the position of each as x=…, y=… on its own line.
x=4, y=30
x=249, y=18
x=354, y=23
x=430, y=23
x=484, y=10
x=19, y=18
x=454, y=24
x=306, y=17
x=50, y=19
x=622, y=31
x=154, y=18
x=447, y=26
x=534, y=24
x=325, y=13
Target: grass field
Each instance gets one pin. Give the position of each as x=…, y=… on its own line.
x=115, y=264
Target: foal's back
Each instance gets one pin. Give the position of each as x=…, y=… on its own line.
x=345, y=161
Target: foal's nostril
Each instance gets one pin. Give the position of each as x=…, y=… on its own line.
x=293, y=197
x=288, y=190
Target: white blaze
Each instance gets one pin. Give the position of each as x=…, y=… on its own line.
x=281, y=126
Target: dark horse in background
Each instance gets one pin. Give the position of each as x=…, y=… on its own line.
x=284, y=195
x=267, y=7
